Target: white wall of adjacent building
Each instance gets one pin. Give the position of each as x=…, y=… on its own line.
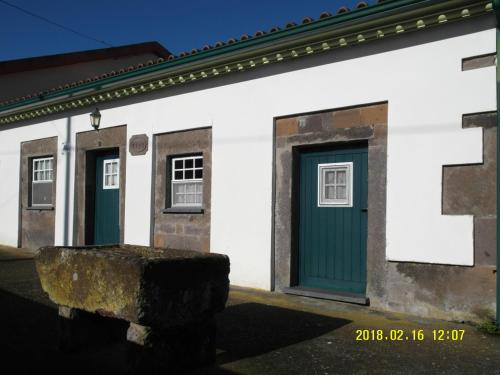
x=427, y=94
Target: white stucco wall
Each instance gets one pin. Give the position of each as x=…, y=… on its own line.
x=427, y=94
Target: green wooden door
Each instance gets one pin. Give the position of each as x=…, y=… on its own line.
x=107, y=200
x=332, y=219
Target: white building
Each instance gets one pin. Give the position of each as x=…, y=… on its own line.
x=351, y=157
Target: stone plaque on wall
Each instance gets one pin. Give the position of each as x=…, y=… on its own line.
x=138, y=144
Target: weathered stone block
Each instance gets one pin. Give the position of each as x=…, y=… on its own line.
x=286, y=127
x=161, y=288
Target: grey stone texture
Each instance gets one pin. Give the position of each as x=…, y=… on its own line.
x=138, y=144
x=169, y=297
x=471, y=190
x=477, y=62
x=37, y=226
x=429, y=290
x=181, y=230
x=150, y=287
x=88, y=144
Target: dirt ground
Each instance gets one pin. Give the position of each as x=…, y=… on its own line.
x=258, y=333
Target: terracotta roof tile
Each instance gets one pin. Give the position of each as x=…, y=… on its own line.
x=206, y=47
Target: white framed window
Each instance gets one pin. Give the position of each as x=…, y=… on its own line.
x=111, y=174
x=187, y=181
x=335, y=184
x=41, y=181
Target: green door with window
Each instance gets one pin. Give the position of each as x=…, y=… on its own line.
x=107, y=200
x=332, y=219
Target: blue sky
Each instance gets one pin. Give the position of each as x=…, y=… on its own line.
x=178, y=25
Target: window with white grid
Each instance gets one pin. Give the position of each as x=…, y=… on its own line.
x=111, y=174
x=42, y=177
x=187, y=181
x=335, y=185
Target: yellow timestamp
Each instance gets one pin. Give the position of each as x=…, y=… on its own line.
x=410, y=335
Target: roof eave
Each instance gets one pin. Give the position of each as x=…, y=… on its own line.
x=357, y=23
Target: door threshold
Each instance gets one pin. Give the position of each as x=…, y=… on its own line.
x=356, y=298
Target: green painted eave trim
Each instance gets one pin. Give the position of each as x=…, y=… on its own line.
x=358, y=26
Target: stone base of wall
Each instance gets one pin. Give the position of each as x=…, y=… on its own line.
x=435, y=291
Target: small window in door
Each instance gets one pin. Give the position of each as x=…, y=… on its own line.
x=111, y=174
x=335, y=185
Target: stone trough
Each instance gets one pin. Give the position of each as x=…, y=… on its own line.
x=169, y=297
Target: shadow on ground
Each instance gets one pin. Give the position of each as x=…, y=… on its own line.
x=252, y=329
x=29, y=336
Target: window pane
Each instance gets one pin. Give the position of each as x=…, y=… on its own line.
x=341, y=192
x=179, y=199
x=330, y=192
x=188, y=174
x=178, y=164
x=179, y=188
x=35, y=165
x=189, y=163
x=50, y=163
x=190, y=198
x=178, y=175
x=198, y=163
x=199, y=188
x=341, y=177
x=106, y=181
x=198, y=173
x=51, y=175
x=35, y=176
x=46, y=175
x=115, y=167
x=330, y=177
x=42, y=193
x=113, y=180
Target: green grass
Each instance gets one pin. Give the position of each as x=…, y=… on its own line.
x=488, y=326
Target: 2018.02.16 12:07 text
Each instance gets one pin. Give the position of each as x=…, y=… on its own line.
x=410, y=335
